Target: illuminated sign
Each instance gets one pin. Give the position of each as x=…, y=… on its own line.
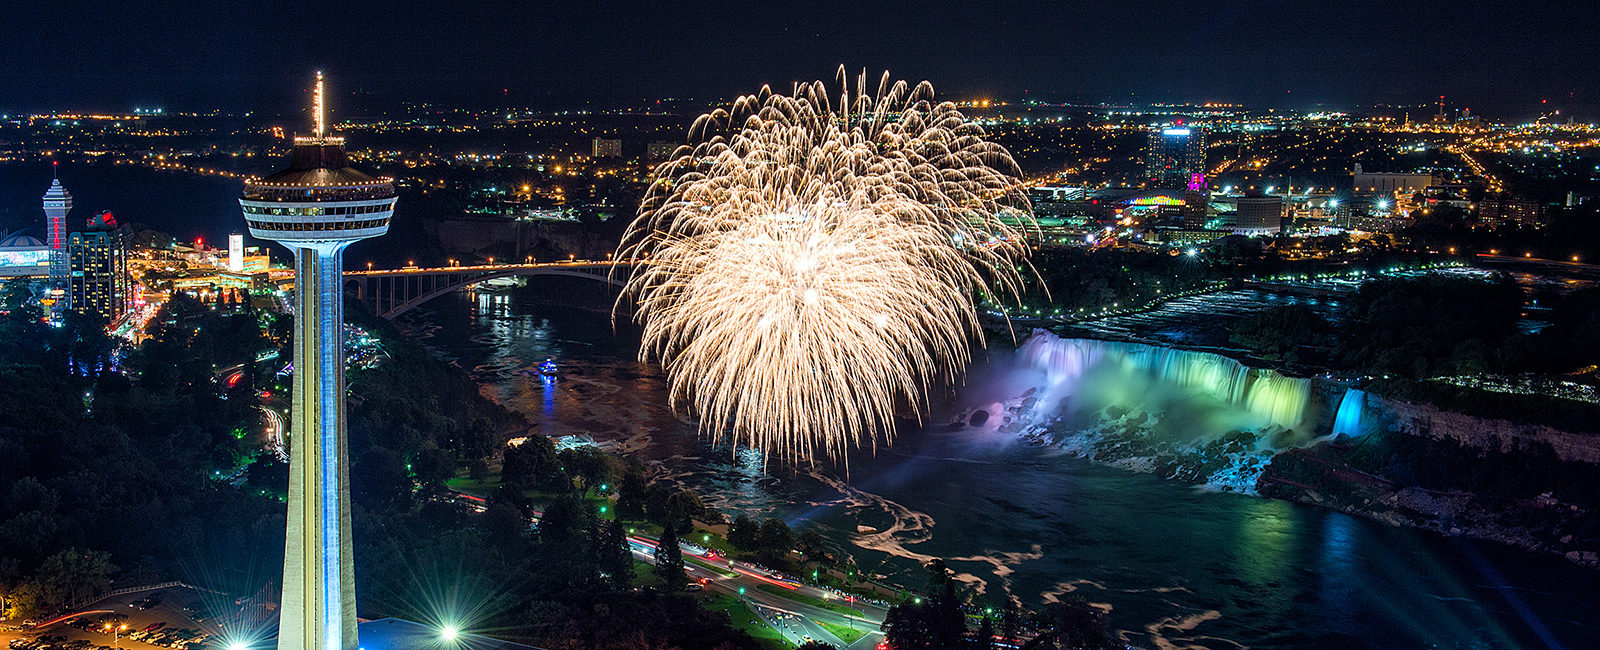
x=1156, y=200
x=1175, y=132
x=25, y=257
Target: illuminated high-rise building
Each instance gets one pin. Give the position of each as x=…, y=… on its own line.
x=1175, y=157
x=57, y=203
x=236, y=252
x=316, y=207
x=98, y=282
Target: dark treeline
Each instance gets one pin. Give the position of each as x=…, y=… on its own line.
x=111, y=461
x=945, y=618
x=1398, y=333
x=1420, y=327
x=1075, y=282
x=1568, y=232
x=1071, y=279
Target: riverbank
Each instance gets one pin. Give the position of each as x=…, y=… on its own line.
x=1206, y=419
x=1525, y=485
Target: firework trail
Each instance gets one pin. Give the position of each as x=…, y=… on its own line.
x=811, y=270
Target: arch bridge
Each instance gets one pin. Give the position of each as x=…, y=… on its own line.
x=391, y=292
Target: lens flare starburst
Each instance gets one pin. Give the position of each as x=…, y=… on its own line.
x=805, y=272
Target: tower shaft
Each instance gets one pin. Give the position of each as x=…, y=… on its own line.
x=316, y=207
x=319, y=601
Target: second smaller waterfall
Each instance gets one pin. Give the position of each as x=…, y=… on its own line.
x=1347, y=421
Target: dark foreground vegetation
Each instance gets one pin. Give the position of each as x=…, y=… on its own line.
x=134, y=465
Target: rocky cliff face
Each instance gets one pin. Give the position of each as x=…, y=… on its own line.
x=1529, y=486
x=1483, y=433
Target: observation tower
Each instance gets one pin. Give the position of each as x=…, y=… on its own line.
x=57, y=203
x=316, y=207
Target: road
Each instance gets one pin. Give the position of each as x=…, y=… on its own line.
x=790, y=607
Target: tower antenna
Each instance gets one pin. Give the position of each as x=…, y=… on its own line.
x=317, y=108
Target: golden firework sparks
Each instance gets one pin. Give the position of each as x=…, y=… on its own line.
x=813, y=270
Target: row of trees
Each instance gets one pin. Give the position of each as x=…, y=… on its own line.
x=940, y=620
x=1070, y=279
x=1429, y=326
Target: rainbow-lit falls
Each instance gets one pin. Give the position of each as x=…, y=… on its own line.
x=316, y=207
x=1273, y=398
x=805, y=270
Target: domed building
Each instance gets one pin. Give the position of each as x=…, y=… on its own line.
x=23, y=255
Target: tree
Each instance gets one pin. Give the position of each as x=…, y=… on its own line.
x=77, y=574
x=933, y=622
x=745, y=533
x=814, y=548
x=16, y=293
x=1072, y=624
x=563, y=523
x=379, y=480
x=534, y=465
x=776, y=539
x=616, y=555
x=631, y=491
x=1280, y=332
x=587, y=463
x=984, y=637
x=669, y=561
x=1008, y=621
x=905, y=627
x=1415, y=326
x=683, y=507
x=656, y=500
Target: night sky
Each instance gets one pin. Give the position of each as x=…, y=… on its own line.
x=1500, y=59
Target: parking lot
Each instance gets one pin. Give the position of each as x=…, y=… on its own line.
x=167, y=619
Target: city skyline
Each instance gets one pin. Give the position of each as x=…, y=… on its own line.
x=1521, y=62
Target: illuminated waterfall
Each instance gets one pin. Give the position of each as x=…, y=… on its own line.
x=1347, y=421
x=1277, y=398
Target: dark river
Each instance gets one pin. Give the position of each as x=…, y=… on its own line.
x=1179, y=566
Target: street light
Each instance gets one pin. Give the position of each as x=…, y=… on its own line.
x=116, y=631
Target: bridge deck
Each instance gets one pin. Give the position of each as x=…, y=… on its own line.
x=391, y=292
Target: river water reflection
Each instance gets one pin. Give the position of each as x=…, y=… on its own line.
x=1179, y=566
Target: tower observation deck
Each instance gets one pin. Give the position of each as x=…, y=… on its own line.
x=316, y=207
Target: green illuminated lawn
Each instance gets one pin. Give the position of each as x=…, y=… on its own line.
x=745, y=619
x=844, y=632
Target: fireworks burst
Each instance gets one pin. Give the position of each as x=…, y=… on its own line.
x=811, y=270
